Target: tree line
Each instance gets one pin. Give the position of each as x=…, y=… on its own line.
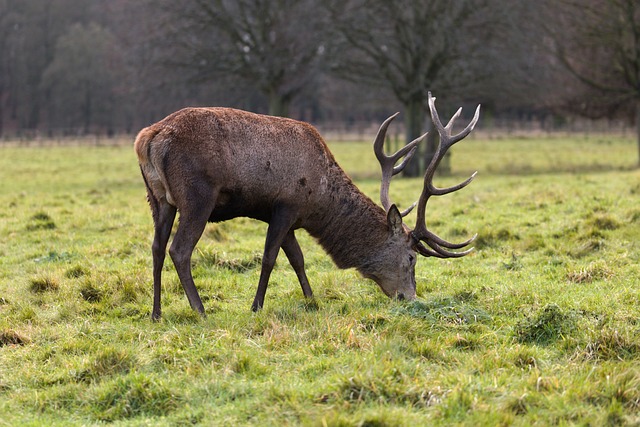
x=72, y=66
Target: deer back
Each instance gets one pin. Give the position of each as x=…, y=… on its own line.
x=251, y=162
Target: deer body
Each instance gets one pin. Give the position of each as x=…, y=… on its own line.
x=214, y=164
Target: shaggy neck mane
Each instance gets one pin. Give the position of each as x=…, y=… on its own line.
x=352, y=228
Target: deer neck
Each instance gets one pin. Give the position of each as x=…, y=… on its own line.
x=349, y=226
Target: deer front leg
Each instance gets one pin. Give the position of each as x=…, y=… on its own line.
x=165, y=216
x=296, y=259
x=281, y=221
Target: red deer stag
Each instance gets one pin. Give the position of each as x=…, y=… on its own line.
x=214, y=164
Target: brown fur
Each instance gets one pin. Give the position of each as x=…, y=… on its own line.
x=214, y=164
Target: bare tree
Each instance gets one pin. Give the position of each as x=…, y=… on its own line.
x=518, y=59
x=274, y=46
x=82, y=78
x=598, y=43
x=411, y=47
x=28, y=33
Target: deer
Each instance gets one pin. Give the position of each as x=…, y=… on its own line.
x=214, y=164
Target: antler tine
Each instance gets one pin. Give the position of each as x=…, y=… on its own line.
x=421, y=233
x=442, y=191
x=387, y=163
x=438, y=252
x=409, y=209
x=446, y=138
x=441, y=242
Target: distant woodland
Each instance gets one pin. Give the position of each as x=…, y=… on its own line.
x=113, y=66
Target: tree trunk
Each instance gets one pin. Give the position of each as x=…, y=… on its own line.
x=278, y=104
x=414, y=113
x=87, y=113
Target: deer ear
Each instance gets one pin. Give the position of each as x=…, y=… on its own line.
x=394, y=220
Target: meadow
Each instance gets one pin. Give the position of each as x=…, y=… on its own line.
x=539, y=326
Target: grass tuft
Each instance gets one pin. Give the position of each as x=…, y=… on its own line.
x=10, y=337
x=90, y=293
x=41, y=221
x=391, y=387
x=41, y=285
x=514, y=264
x=215, y=232
x=604, y=222
x=339, y=418
x=595, y=271
x=518, y=405
x=609, y=344
x=491, y=239
x=107, y=362
x=373, y=323
x=133, y=395
x=76, y=272
x=465, y=343
x=525, y=359
x=546, y=326
x=184, y=315
x=310, y=304
x=592, y=245
x=457, y=404
x=128, y=289
x=621, y=390
x=238, y=265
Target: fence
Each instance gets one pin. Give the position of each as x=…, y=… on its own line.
x=488, y=128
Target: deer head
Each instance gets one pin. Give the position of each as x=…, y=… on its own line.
x=396, y=276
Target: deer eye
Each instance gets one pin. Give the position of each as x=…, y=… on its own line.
x=411, y=258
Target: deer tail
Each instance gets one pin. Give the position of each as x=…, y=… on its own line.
x=151, y=177
x=142, y=145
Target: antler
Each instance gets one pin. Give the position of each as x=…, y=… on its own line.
x=420, y=233
x=387, y=163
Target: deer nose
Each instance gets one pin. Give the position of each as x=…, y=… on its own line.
x=400, y=297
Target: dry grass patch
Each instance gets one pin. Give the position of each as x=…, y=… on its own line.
x=11, y=337
x=595, y=271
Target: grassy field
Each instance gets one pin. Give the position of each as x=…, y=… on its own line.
x=540, y=325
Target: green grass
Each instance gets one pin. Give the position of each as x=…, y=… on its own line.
x=540, y=325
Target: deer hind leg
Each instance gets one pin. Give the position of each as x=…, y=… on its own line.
x=281, y=221
x=296, y=259
x=164, y=217
x=190, y=228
